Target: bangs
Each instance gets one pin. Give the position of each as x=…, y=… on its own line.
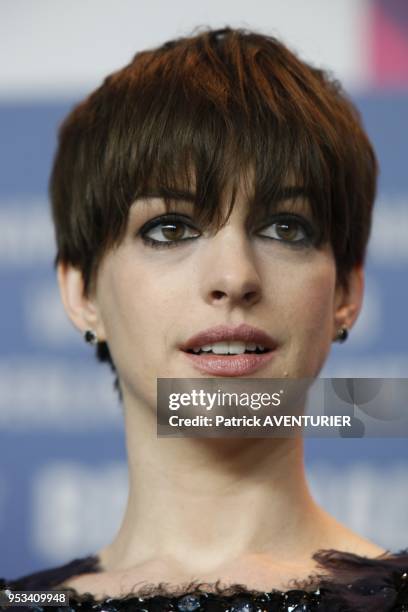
x=208, y=158
x=205, y=139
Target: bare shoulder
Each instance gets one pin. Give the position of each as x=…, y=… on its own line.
x=365, y=548
x=257, y=572
x=337, y=536
x=98, y=585
x=121, y=583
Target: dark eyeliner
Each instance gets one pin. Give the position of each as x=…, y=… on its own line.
x=310, y=233
x=161, y=220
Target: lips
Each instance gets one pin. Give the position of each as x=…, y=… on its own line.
x=230, y=365
x=244, y=333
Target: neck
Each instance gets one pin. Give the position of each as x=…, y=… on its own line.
x=205, y=502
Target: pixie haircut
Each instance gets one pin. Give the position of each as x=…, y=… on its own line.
x=190, y=119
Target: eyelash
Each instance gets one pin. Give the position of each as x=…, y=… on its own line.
x=168, y=219
x=162, y=220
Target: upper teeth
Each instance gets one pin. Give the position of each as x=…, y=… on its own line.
x=229, y=348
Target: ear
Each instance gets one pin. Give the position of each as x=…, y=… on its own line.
x=348, y=302
x=82, y=310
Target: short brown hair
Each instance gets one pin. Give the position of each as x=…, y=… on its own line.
x=217, y=103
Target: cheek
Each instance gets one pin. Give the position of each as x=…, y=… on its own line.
x=132, y=322
x=318, y=295
x=311, y=288
x=139, y=309
x=308, y=306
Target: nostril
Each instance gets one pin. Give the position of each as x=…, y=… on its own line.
x=250, y=295
x=218, y=294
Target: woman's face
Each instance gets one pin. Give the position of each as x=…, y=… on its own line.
x=170, y=279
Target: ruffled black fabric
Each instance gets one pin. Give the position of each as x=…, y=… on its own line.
x=347, y=583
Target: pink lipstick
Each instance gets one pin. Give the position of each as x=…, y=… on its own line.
x=259, y=347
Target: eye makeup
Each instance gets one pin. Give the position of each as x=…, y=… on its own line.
x=168, y=224
x=305, y=234
x=174, y=229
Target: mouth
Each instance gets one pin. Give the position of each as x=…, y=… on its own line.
x=229, y=348
x=230, y=351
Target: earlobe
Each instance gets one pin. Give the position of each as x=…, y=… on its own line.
x=348, y=302
x=81, y=309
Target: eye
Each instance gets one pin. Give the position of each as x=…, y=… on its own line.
x=168, y=230
x=289, y=228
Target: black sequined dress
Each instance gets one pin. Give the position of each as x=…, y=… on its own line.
x=348, y=583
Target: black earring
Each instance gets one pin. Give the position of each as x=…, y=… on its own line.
x=342, y=334
x=90, y=336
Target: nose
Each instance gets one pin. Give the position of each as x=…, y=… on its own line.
x=229, y=274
